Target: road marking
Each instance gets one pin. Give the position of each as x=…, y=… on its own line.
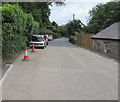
x=2, y=80
x=5, y=75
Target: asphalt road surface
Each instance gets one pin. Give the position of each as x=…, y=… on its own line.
x=62, y=71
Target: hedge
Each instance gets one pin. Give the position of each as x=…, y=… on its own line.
x=72, y=39
x=17, y=26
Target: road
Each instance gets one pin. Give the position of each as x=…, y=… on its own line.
x=62, y=71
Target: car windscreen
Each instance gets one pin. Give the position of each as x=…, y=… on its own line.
x=34, y=38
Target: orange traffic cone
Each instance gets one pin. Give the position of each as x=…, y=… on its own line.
x=26, y=57
x=33, y=48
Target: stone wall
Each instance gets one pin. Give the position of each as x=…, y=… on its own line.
x=107, y=47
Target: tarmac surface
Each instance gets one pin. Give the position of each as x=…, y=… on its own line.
x=62, y=71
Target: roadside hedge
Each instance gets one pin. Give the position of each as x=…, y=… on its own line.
x=17, y=27
x=72, y=39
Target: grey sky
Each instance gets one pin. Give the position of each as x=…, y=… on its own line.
x=63, y=14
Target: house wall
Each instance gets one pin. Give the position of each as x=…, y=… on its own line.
x=107, y=47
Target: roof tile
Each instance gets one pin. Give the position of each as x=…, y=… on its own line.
x=111, y=32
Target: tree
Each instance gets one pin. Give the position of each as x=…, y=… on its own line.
x=40, y=12
x=63, y=30
x=54, y=24
x=102, y=16
x=71, y=28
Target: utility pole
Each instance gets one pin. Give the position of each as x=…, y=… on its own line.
x=73, y=22
x=73, y=17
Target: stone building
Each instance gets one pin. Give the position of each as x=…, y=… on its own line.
x=107, y=41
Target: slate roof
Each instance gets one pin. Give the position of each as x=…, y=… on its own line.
x=111, y=32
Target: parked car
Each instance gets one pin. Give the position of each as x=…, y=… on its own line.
x=50, y=37
x=46, y=39
x=38, y=41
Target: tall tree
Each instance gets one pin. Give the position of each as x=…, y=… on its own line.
x=40, y=11
x=102, y=16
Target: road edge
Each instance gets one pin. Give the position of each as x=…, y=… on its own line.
x=6, y=74
x=96, y=53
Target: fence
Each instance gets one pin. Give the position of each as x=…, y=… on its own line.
x=84, y=40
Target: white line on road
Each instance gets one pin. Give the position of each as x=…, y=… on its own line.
x=2, y=80
x=5, y=75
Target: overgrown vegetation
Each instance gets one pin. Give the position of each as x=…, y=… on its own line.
x=17, y=27
x=72, y=39
x=71, y=28
x=102, y=16
x=22, y=20
x=41, y=13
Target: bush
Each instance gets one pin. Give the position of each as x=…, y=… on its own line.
x=56, y=35
x=16, y=28
x=72, y=39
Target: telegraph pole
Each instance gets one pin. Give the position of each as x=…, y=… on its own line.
x=73, y=17
x=73, y=22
